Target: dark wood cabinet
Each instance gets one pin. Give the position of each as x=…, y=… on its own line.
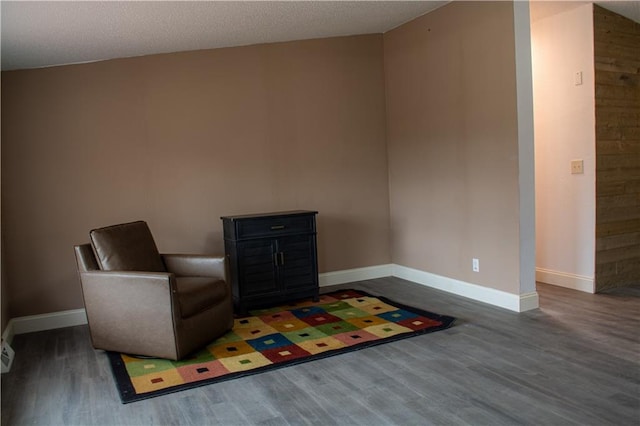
x=272, y=257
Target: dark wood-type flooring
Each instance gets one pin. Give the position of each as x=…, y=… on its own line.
x=574, y=361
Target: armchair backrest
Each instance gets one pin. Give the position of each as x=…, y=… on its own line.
x=85, y=259
x=126, y=247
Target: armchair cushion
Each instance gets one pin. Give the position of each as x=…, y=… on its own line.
x=197, y=294
x=126, y=247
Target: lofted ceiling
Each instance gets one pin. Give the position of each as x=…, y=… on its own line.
x=40, y=34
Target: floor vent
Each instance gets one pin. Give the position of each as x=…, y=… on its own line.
x=7, y=357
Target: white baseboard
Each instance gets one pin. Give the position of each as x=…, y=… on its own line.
x=529, y=301
x=513, y=302
x=7, y=334
x=353, y=275
x=31, y=323
x=564, y=279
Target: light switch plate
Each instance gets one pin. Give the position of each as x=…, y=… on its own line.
x=577, y=167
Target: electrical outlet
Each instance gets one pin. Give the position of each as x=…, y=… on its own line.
x=475, y=265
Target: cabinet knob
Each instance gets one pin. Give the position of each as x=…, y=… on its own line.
x=276, y=227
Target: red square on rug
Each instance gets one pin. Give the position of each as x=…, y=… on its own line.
x=285, y=353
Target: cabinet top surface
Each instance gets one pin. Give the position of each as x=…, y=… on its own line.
x=257, y=215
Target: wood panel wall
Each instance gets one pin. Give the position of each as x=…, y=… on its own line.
x=617, y=93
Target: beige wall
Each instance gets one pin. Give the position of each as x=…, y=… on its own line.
x=4, y=299
x=181, y=139
x=4, y=296
x=452, y=136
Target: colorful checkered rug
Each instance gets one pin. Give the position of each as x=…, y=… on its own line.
x=339, y=322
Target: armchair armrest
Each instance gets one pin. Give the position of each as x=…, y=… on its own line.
x=131, y=312
x=128, y=294
x=192, y=265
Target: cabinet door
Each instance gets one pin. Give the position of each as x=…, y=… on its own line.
x=257, y=267
x=298, y=262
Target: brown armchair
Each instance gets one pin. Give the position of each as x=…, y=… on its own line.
x=141, y=302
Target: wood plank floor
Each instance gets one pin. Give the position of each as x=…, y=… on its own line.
x=574, y=361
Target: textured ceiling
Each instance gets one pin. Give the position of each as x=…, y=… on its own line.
x=39, y=34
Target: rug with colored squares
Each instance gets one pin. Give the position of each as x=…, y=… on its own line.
x=339, y=322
